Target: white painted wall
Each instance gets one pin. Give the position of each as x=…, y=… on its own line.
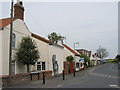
x=67, y=53
x=20, y=30
x=43, y=52
x=58, y=51
x=5, y=52
x=77, y=58
x=1, y=52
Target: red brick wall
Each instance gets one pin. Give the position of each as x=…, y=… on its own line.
x=19, y=11
x=24, y=77
x=72, y=66
x=66, y=67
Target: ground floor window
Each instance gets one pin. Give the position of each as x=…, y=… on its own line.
x=40, y=66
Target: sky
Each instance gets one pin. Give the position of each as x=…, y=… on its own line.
x=92, y=24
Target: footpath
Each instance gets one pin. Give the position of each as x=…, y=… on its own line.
x=56, y=82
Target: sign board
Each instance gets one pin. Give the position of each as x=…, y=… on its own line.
x=82, y=59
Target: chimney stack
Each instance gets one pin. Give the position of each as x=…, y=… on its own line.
x=19, y=10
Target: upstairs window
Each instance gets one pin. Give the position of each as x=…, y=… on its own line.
x=13, y=40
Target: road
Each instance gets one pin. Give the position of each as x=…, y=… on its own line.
x=104, y=76
x=101, y=76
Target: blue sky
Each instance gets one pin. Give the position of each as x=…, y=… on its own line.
x=89, y=23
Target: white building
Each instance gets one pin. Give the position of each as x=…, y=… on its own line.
x=69, y=51
x=50, y=55
x=47, y=49
x=19, y=30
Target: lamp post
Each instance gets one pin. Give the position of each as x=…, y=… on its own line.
x=74, y=53
x=74, y=48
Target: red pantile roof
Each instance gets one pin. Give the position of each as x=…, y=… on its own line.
x=40, y=38
x=71, y=50
x=5, y=22
x=44, y=40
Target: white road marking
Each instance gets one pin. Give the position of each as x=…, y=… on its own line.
x=115, y=86
x=59, y=85
x=109, y=76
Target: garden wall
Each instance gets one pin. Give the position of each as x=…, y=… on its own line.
x=24, y=77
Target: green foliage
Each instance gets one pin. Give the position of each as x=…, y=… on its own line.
x=86, y=58
x=55, y=38
x=112, y=60
x=69, y=58
x=27, y=53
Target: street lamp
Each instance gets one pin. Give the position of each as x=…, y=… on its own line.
x=74, y=53
x=74, y=47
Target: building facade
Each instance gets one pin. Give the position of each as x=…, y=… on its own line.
x=51, y=54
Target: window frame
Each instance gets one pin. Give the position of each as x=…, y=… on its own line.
x=13, y=40
x=42, y=67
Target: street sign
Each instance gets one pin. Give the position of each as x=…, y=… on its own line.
x=81, y=59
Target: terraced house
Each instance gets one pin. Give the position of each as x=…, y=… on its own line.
x=52, y=56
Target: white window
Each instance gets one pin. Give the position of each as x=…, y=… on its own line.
x=40, y=66
x=13, y=40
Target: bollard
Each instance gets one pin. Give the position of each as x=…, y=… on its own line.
x=31, y=76
x=38, y=76
x=43, y=77
x=74, y=73
x=63, y=75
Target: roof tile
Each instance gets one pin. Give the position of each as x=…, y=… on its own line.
x=70, y=49
x=5, y=22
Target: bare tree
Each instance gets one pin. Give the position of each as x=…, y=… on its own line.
x=102, y=53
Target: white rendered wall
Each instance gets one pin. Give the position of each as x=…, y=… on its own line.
x=58, y=51
x=20, y=30
x=43, y=52
x=1, y=52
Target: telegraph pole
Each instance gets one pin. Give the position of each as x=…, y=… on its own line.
x=10, y=45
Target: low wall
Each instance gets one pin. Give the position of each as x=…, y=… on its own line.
x=24, y=77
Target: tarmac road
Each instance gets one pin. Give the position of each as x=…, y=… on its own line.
x=101, y=76
x=104, y=76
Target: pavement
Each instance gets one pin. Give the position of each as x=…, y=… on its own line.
x=101, y=76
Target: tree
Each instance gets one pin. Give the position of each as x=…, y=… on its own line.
x=69, y=58
x=102, y=53
x=86, y=58
x=55, y=38
x=61, y=38
x=28, y=53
